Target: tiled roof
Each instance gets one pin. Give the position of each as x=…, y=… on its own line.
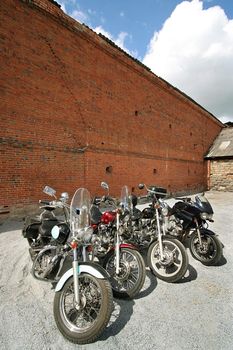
x=223, y=145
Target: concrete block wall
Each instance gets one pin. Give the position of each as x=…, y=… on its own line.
x=76, y=111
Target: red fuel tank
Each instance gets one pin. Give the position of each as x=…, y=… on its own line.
x=108, y=217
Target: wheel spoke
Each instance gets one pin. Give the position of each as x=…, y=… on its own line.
x=129, y=271
x=89, y=308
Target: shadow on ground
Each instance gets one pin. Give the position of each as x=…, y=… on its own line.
x=190, y=275
x=11, y=225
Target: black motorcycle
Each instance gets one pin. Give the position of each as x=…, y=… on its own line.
x=166, y=256
x=189, y=219
x=38, y=228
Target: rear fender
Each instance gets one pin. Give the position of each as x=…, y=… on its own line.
x=90, y=268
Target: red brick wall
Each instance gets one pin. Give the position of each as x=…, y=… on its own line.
x=72, y=105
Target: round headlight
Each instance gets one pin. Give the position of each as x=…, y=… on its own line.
x=165, y=211
x=64, y=196
x=88, y=234
x=55, y=232
x=204, y=216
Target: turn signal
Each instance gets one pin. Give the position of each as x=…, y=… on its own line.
x=74, y=245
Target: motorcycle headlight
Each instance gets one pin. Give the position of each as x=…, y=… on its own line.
x=204, y=216
x=164, y=211
x=126, y=218
x=55, y=232
x=88, y=234
x=84, y=234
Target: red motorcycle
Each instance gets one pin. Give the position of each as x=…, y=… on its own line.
x=121, y=260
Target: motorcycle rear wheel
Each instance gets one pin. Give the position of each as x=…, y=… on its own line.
x=175, y=263
x=210, y=253
x=130, y=280
x=83, y=325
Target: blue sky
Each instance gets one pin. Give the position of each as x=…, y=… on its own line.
x=193, y=33
x=139, y=19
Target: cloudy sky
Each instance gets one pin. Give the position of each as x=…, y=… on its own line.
x=188, y=43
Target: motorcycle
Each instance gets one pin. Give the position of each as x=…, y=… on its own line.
x=37, y=229
x=83, y=299
x=120, y=259
x=166, y=256
x=188, y=219
x=52, y=260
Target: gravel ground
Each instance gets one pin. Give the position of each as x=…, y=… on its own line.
x=195, y=313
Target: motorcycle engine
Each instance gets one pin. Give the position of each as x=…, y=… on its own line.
x=174, y=226
x=143, y=231
x=101, y=239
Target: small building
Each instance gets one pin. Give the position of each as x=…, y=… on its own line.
x=220, y=161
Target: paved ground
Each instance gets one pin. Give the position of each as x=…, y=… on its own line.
x=194, y=314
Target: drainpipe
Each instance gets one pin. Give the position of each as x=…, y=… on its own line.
x=208, y=174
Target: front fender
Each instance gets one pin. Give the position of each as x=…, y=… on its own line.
x=167, y=236
x=125, y=245
x=205, y=231
x=90, y=268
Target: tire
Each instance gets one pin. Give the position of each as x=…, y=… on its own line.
x=132, y=274
x=211, y=253
x=97, y=304
x=175, y=264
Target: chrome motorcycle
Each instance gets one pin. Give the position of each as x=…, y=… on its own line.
x=166, y=256
x=83, y=296
x=121, y=260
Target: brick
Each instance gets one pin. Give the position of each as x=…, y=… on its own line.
x=74, y=105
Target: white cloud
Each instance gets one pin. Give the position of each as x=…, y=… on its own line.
x=79, y=16
x=63, y=7
x=119, y=40
x=194, y=52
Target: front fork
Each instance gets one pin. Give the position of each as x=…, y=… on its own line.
x=198, y=233
x=76, y=277
x=159, y=235
x=117, y=245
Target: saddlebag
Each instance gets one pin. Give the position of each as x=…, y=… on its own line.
x=46, y=226
x=31, y=227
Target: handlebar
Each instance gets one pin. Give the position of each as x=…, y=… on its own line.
x=54, y=204
x=45, y=202
x=184, y=199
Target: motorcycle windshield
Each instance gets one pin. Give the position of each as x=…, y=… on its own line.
x=203, y=204
x=80, y=212
x=126, y=201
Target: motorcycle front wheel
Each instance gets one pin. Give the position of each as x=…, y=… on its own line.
x=210, y=252
x=85, y=323
x=173, y=266
x=131, y=277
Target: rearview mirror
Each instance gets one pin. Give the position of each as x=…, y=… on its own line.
x=49, y=191
x=105, y=186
